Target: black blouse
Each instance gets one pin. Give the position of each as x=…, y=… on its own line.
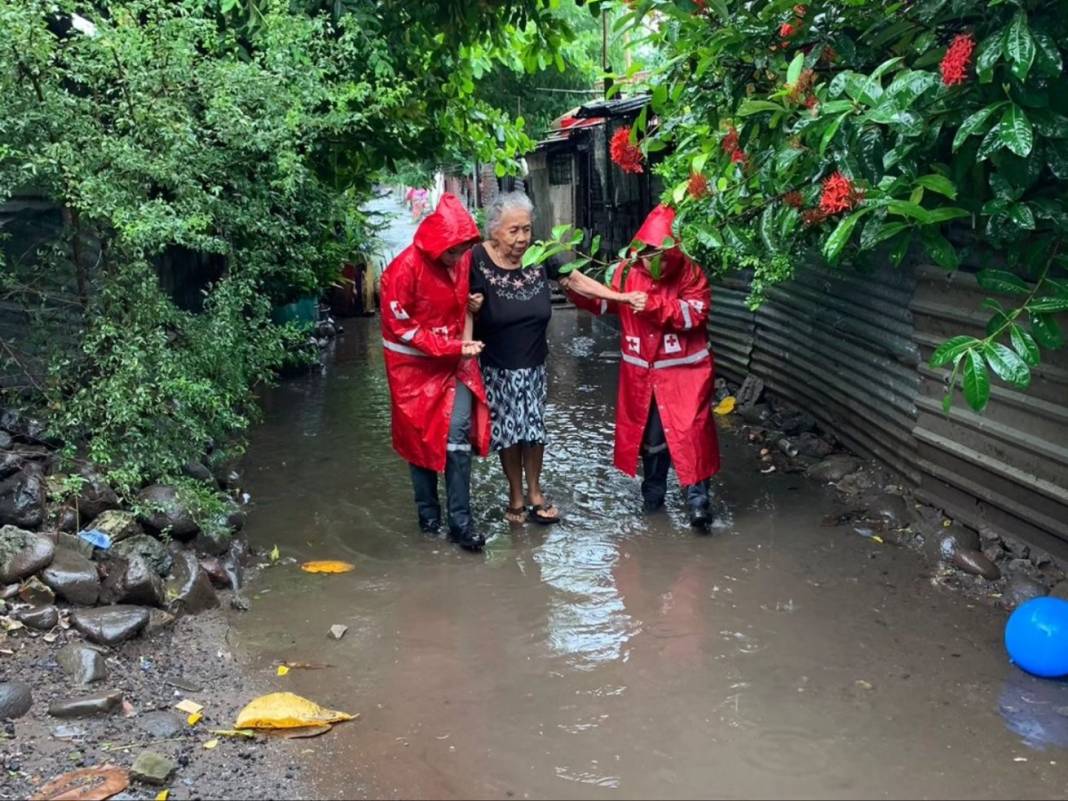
x=515, y=313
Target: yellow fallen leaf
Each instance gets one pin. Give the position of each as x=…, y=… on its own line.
x=194, y=719
x=189, y=707
x=327, y=566
x=725, y=406
x=275, y=554
x=210, y=744
x=282, y=670
x=286, y=711
x=163, y=795
x=877, y=538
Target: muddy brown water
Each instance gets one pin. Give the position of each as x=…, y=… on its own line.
x=615, y=656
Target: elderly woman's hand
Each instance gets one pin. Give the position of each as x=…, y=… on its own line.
x=474, y=302
x=637, y=300
x=472, y=347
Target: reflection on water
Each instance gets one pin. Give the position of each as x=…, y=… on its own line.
x=1035, y=709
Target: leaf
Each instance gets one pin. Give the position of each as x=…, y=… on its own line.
x=678, y=194
x=904, y=208
x=560, y=230
x=1048, y=305
x=327, y=566
x=163, y=795
x=1059, y=286
x=793, y=73
x=939, y=184
x=750, y=107
x=838, y=239
x=949, y=350
x=1015, y=131
x=595, y=245
x=974, y=124
x=1002, y=281
x=286, y=711
x=211, y=744
x=1006, y=365
x=1022, y=216
x=940, y=250
x=990, y=51
x=1025, y=345
x=1020, y=46
x=699, y=161
x=976, y=381
x=832, y=129
x=1048, y=59
x=1046, y=332
x=89, y=784
x=275, y=555
x=282, y=670
x=944, y=214
x=875, y=233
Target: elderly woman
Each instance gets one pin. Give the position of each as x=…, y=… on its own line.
x=513, y=305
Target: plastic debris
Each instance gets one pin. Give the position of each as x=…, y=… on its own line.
x=96, y=538
x=725, y=406
x=337, y=631
x=286, y=711
x=327, y=566
x=189, y=707
x=195, y=718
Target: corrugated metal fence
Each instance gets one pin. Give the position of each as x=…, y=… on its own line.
x=852, y=350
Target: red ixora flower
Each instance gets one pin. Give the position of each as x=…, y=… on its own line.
x=698, y=186
x=839, y=194
x=958, y=56
x=730, y=140
x=738, y=156
x=786, y=30
x=627, y=155
x=793, y=199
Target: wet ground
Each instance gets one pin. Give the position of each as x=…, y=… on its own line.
x=613, y=655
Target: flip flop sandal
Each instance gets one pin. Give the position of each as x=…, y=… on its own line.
x=516, y=516
x=544, y=519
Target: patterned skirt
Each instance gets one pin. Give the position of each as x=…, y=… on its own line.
x=517, y=405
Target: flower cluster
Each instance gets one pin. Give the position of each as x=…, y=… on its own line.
x=839, y=194
x=957, y=59
x=793, y=199
x=802, y=89
x=698, y=186
x=732, y=147
x=627, y=155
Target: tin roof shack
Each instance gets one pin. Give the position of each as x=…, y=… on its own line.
x=573, y=181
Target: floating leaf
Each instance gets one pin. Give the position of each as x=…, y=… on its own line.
x=282, y=670
x=327, y=566
x=275, y=555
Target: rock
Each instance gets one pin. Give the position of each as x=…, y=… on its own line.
x=152, y=768
x=749, y=392
x=337, y=631
x=794, y=421
x=133, y=581
x=6, y=440
x=70, y=542
x=1019, y=566
x=166, y=512
x=189, y=589
x=16, y=698
x=23, y=553
x=1015, y=546
x=833, y=468
x=215, y=539
x=87, y=706
x=96, y=496
x=110, y=624
x=891, y=509
x=213, y=566
x=161, y=724
x=36, y=593
x=994, y=552
x=1040, y=558
x=199, y=472
x=975, y=563
x=235, y=516
x=1022, y=589
x=757, y=414
x=812, y=446
x=117, y=524
x=73, y=578
x=10, y=463
x=1060, y=590
x=158, y=620
x=67, y=520
x=22, y=499
x=41, y=618
x=150, y=549
x=9, y=591
x=82, y=664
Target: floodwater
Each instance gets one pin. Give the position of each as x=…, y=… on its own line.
x=616, y=656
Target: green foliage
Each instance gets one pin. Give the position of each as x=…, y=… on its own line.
x=921, y=151
x=247, y=133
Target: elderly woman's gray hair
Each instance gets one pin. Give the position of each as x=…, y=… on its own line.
x=509, y=201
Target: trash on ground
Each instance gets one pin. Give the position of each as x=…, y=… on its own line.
x=327, y=566
x=88, y=784
x=195, y=718
x=725, y=406
x=286, y=711
x=163, y=795
x=337, y=631
x=282, y=670
x=96, y=538
x=189, y=707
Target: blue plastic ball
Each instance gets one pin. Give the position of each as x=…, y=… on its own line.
x=1036, y=637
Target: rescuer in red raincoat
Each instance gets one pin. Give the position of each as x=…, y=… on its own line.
x=664, y=403
x=439, y=410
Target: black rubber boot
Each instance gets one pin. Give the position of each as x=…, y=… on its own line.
x=467, y=539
